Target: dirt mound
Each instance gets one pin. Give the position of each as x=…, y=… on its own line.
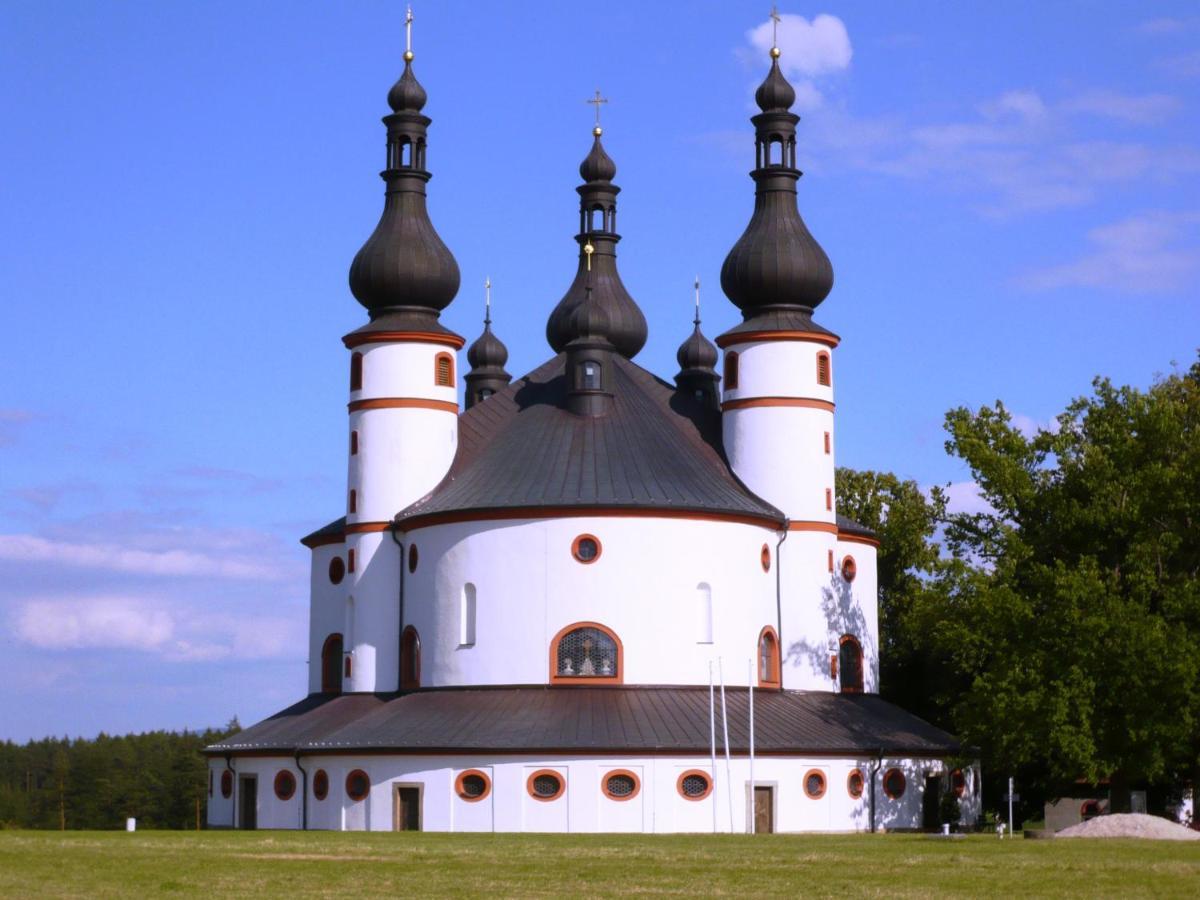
x=1130, y=825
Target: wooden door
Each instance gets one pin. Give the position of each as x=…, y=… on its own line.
x=408, y=809
x=248, y=802
x=764, y=810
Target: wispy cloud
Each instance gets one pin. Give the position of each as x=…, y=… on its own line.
x=1164, y=25
x=966, y=497
x=1134, y=109
x=1183, y=65
x=12, y=422
x=1155, y=251
x=176, y=561
x=809, y=50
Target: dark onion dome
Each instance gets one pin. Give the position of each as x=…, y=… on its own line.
x=626, y=326
x=487, y=356
x=697, y=352
x=404, y=267
x=776, y=265
x=487, y=352
x=697, y=359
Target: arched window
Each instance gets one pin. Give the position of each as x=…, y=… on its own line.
x=586, y=652
x=356, y=371
x=354, y=443
x=823, y=368
x=850, y=665
x=443, y=370
x=731, y=370
x=352, y=505
x=410, y=659
x=466, y=617
x=704, y=613
x=331, y=665
x=768, y=658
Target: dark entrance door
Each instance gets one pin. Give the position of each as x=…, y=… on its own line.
x=764, y=810
x=931, y=803
x=248, y=802
x=408, y=809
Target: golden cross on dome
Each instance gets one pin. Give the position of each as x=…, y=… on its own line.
x=596, y=101
x=408, y=20
x=775, y=20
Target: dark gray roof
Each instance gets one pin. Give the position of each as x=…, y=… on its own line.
x=848, y=525
x=326, y=534
x=778, y=318
x=656, y=449
x=590, y=719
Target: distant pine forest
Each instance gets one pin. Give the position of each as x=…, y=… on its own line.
x=158, y=777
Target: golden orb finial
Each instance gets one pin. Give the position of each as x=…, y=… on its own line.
x=774, y=53
x=589, y=250
x=408, y=56
x=597, y=131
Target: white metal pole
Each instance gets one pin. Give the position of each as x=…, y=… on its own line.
x=750, y=671
x=1010, y=798
x=725, y=736
x=712, y=736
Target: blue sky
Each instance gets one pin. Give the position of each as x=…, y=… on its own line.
x=1009, y=195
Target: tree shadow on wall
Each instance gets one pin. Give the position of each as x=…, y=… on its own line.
x=843, y=616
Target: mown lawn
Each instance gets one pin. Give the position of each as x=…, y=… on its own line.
x=315, y=864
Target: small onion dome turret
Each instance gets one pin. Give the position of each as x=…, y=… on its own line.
x=776, y=265
x=487, y=357
x=697, y=359
x=597, y=267
x=589, y=357
x=404, y=270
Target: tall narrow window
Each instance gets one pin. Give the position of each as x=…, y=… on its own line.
x=589, y=376
x=823, y=368
x=466, y=617
x=731, y=370
x=410, y=660
x=830, y=560
x=443, y=374
x=586, y=652
x=827, y=443
x=349, y=560
x=331, y=665
x=354, y=443
x=850, y=665
x=356, y=371
x=768, y=658
x=704, y=614
x=353, y=504
x=828, y=498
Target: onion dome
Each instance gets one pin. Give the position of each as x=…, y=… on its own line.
x=776, y=267
x=697, y=359
x=589, y=353
x=597, y=239
x=404, y=271
x=487, y=356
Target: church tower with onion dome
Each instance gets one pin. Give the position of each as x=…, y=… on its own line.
x=403, y=387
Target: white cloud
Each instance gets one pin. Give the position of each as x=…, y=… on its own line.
x=140, y=560
x=1029, y=426
x=808, y=50
x=1185, y=65
x=94, y=622
x=1133, y=109
x=1163, y=25
x=1155, y=251
x=1025, y=105
x=965, y=497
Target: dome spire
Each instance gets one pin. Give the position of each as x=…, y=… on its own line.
x=776, y=266
x=697, y=359
x=404, y=269
x=487, y=357
x=597, y=240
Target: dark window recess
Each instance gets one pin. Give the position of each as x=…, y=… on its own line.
x=694, y=786
x=854, y=784
x=587, y=653
x=337, y=570
x=356, y=369
x=226, y=784
x=620, y=785
x=547, y=786
x=285, y=784
x=850, y=665
x=894, y=783
x=589, y=379
x=320, y=784
x=358, y=785
x=473, y=786
x=413, y=557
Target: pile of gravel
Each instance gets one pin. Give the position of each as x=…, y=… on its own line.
x=1130, y=825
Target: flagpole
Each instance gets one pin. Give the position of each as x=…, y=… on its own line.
x=725, y=735
x=750, y=670
x=712, y=737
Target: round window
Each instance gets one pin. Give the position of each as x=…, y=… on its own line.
x=358, y=785
x=285, y=784
x=694, y=785
x=958, y=782
x=226, y=784
x=337, y=570
x=814, y=784
x=544, y=784
x=894, y=783
x=586, y=548
x=765, y=558
x=412, y=557
x=320, y=784
x=854, y=784
x=849, y=568
x=621, y=785
x=472, y=785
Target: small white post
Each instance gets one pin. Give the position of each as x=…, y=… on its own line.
x=753, y=807
x=1010, y=800
x=131, y=824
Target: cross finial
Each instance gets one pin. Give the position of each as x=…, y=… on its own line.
x=596, y=101
x=408, y=20
x=775, y=20
x=696, y=321
x=487, y=300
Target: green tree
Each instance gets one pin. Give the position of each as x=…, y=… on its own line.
x=1074, y=618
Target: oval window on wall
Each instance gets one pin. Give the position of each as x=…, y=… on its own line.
x=764, y=557
x=285, y=784
x=694, y=785
x=358, y=785
x=849, y=568
x=621, y=784
x=226, y=784
x=586, y=548
x=320, y=784
x=472, y=785
x=855, y=783
x=814, y=784
x=413, y=557
x=337, y=570
x=545, y=785
x=894, y=783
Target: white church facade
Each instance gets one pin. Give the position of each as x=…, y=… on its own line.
x=516, y=624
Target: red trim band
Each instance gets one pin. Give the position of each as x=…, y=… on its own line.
x=754, y=337
x=403, y=403
x=751, y=402
x=404, y=337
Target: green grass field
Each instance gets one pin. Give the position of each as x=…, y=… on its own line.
x=110, y=864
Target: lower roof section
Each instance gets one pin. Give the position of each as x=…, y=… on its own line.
x=568, y=719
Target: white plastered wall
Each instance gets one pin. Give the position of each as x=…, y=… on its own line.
x=326, y=610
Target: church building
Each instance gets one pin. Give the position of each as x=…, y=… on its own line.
x=590, y=599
